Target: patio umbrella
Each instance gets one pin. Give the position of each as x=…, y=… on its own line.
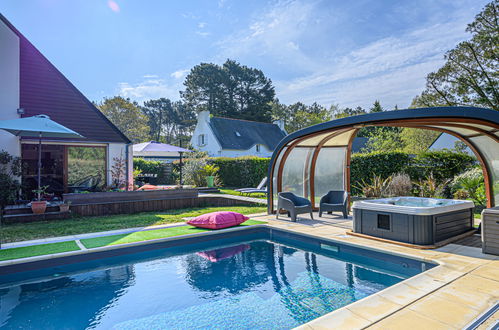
x=153, y=148
x=38, y=126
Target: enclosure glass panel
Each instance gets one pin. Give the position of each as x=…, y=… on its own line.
x=86, y=168
x=490, y=151
x=274, y=177
x=295, y=172
x=329, y=171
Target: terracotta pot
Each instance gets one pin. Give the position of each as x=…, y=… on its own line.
x=38, y=207
x=64, y=207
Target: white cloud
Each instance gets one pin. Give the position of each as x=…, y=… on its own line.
x=180, y=73
x=391, y=69
x=202, y=25
x=203, y=33
x=149, y=88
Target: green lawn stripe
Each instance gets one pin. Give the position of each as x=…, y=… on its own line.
x=83, y=225
x=149, y=235
x=37, y=250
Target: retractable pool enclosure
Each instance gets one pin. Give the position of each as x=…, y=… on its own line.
x=314, y=160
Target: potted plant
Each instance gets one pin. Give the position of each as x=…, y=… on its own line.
x=39, y=206
x=210, y=171
x=64, y=207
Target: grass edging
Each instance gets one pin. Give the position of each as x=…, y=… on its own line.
x=140, y=236
x=103, y=241
x=37, y=250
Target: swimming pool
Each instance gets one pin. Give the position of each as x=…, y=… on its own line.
x=251, y=278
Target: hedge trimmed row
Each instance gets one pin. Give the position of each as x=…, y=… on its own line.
x=241, y=172
x=249, y=171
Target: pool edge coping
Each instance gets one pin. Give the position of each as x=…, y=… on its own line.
x=440, y=265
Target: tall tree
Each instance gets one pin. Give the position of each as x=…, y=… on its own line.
x=231, y=90
x=470, y=75
x=159, y=116
x=298, y=115
x=127, y=116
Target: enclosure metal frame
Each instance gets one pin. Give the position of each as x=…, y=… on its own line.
x=448, y=120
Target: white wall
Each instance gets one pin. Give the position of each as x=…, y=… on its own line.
x=212, y=147
x=9, y=86
x=117, y=150
x=264, y=152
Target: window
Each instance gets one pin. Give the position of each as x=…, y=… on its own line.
x=257, y=148
x=202, y=139
x=384, y=221
x=86, y=168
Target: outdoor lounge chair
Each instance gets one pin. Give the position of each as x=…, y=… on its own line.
x=334, y=200
x=293, y=204
x=261, y=188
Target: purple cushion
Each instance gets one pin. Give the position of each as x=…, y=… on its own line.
x=218, y=220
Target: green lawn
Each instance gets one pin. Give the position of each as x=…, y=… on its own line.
x=148, y=235
x=89, y=243
x=237, y=193
x=38, y=250
x=44, y=229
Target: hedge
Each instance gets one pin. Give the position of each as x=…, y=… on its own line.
x=445, y=165
x=241, y=172
x=156, y=168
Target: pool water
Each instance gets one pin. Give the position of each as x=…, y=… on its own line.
x=234, y=283
x=414, y=201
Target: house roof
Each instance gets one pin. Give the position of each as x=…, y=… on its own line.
x=153, y=146
x=243, y=134
x=45, y=90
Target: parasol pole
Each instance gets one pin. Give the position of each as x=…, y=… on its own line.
x=39, y=162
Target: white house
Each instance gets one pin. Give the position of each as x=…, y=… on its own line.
x=30, y=85
x=225, y=137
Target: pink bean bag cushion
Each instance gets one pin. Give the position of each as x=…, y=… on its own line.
x=218, y=220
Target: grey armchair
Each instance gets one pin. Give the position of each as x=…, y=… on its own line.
x=334, y=200
x=293, y=204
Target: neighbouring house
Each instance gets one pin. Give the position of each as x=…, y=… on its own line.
x=225, y=137
x=30, y=85
x=447, y=141
x=157, y=151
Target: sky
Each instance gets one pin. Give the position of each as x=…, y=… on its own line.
x=348, y=53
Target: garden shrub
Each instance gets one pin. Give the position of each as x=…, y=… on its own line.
x=439, y=165
x=442, y=164
x=364, y=166
x=470, y=185
x=400, y=185
x=193, y=172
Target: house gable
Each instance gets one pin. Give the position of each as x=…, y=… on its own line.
x=45, y=90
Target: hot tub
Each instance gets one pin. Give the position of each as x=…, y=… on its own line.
x=415, y=220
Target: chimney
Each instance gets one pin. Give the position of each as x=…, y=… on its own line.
x=204, y=116
x=280, y=124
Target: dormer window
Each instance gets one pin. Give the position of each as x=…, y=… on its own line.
x=238, y=134
x=257, y=148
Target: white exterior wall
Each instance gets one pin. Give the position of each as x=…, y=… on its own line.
x=212, y=147
x=117, y=150
x=264, y=152
x=9, y=87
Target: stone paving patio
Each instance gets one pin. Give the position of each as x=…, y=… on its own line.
x=450, y=296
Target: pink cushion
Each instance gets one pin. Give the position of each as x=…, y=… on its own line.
x=218, y=220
